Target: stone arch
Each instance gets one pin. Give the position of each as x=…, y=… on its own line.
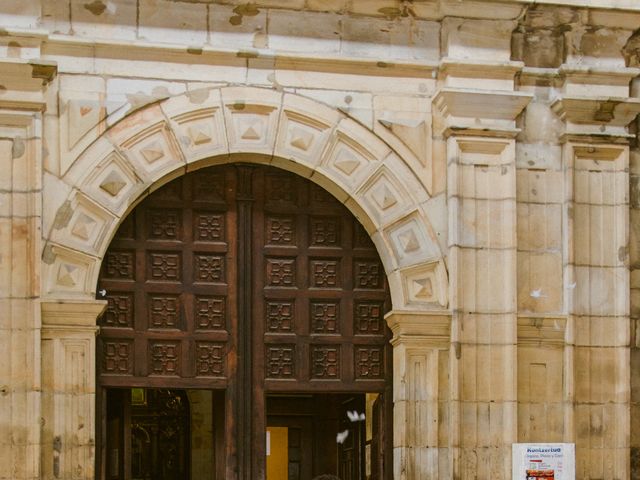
x=228, y=124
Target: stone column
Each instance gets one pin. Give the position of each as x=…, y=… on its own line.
x=421, y=342
x=21, y=106
x=68, y=388
x=479, y=128
x=596, y=162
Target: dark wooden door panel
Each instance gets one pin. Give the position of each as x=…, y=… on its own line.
x=320, y=291
x=250, y=280
x=170, y=280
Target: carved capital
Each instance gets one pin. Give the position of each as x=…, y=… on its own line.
x=424, y=329
x=64, y=317
x=481, y=113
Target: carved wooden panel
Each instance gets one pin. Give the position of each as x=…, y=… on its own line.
x=280, y=230
x=119, y=311
x=369, y=362
x=325, y=273
x=325, y=362
x=281, y=272
x=315, y=307
x=280, y=361
x=209, y=268
x=325, y=231
x=210, y=312
x=368, y=317
x=167, y=280
x=368, y=274
x=164, y=223
x=117, y=358
x=164, y=357
x=164, y=266
x=280, y=316
x=119, y=264
x=208, y=227
x=210, y=359
x=325, y=316
x=319, y=286
x=164, y=311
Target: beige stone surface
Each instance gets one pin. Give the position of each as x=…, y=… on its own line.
x=488, y=147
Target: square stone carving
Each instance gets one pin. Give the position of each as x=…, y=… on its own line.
x=153, y=150
x=112, y=183
x=82, y=224
x=411, y=241
x=201, y=133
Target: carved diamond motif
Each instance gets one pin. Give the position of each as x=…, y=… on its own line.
x=301, y=139
x=83, y=227
x=199, y=135
x=67, y=275
x=422, y=288
x=384, y=197
x=113, y=183
x=422, y=284
x=253, y=131
x=347, y=162
x=152, y=153
x=409, y=241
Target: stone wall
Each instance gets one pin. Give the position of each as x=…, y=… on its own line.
x=489, y=148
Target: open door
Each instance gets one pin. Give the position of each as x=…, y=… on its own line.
x=253, y=282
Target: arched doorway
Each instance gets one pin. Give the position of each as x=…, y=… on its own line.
x=258, y=287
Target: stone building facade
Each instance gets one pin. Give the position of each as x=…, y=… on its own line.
x=489, y=149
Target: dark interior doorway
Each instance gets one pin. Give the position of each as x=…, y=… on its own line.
x=323, y=436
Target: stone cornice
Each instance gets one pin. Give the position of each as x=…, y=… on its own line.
x=24, y=82
x=453, y=67
x=481, y=104
x=596, y=117
x=56, y=44
x=598, y=75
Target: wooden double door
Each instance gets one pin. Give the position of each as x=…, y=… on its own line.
x=248, y=281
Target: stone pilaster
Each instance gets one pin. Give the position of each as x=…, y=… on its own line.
x=68, y=388
x=421, y=343
x=21, y=105
x=479, y=127
x=596, y=162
